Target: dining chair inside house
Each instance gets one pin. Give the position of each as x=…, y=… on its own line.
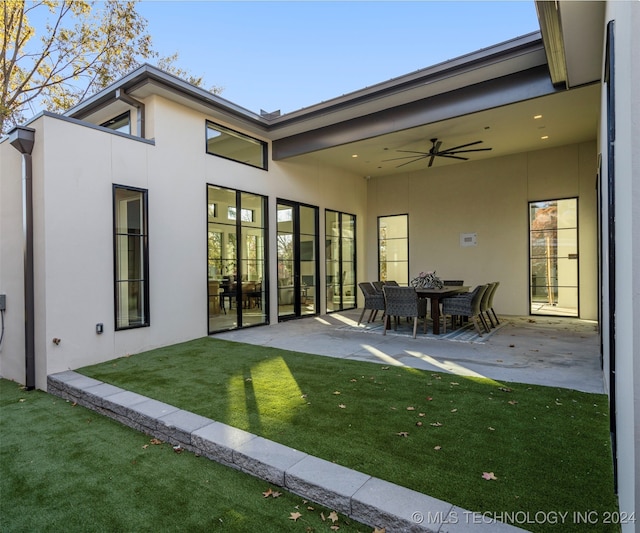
x=373, y=301
x=490, y=311
x=392, y=283
x=403, y=302
x=464, y=305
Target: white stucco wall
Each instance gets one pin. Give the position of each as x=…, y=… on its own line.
x=626, y=17
x=489, y=198
x=75, y=168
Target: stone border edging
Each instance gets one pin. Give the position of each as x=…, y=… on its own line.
x=363, y=498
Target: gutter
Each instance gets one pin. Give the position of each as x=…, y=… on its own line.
x=124, y=97
x=22, y=139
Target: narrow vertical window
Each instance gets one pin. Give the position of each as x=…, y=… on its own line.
x=131, y=257
x=393, y=249
x=340, y=260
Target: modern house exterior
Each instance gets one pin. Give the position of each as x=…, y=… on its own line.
x=155, y=212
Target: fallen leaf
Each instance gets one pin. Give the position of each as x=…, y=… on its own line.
x=429, y=398
x=267, y=493
x=249, y=379
x=145, y=446
x=454, y=410
x=421, y=414
x=385, y=368
x=437, y=447
x=403, y=434
x=491, y=429
x=155, y=441
x=334, y=528
x=294, y=516
x=353, y=380
x=489, y=475
x=342, y=406
x=333, y=516
x=436, y=424
x=418, y=423
x=324, y=518
x=512, y=402
x=22, y=400
x=411, y=408
x=336, y=392
x=376, y=530
x=454, y=383
x=505, y=389
x=309, y=508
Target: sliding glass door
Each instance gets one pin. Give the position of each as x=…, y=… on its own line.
x=297, y=243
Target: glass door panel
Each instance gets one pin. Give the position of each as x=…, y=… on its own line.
x=553, y=257
x=340, y=261
x=236, y=259
x=297, y=246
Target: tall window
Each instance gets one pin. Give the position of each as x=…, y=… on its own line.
x=393, y=249
x=340, y=260
x=230, y=144
x=131, y=257
x=553, y=253
x=121, y=123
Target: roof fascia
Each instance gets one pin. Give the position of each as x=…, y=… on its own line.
x=491, y=94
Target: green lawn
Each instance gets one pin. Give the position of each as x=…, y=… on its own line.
x=66, y=469
x=439, y=434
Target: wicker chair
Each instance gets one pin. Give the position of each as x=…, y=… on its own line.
x=489, y=311
x=467, y=305
x=373, y=301
x=484, y=308
x=403, y=302
x=378, y=285
x=392, y=283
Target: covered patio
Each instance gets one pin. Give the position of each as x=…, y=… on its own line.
x=553, y=351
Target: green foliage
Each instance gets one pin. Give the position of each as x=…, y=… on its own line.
x=76, y=48
x=438, y=434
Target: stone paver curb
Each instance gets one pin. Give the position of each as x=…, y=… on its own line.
x=369, y=500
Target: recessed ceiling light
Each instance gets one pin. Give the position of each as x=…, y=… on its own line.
x=354, y=155
x=536, y=117
x=544, y=137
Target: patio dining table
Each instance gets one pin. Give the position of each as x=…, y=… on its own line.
x=435, y=295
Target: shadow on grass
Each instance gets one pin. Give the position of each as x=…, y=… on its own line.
x=432, y=432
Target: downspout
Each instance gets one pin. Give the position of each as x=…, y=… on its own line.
x=124, y=97
x=22, y=139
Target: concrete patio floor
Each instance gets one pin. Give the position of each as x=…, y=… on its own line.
x=553, y=351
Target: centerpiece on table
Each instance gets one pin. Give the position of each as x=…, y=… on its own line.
x=427, y=280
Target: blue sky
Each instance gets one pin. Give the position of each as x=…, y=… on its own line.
x=289, y=55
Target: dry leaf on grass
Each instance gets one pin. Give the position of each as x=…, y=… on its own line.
x=403, y=434
x=295, y=516
x=489, y=475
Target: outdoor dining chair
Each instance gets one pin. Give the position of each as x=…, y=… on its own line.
x=464, y=305
x=403, y=302
x=373, y=301
x=489, y=311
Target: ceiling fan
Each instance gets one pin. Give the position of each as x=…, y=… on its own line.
x=435, y=151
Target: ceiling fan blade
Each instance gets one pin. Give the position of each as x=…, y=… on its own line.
x=413, y=152
x=464, y=151
x=462, y=146
x=436, y=147
x=416, y=159
x=433, y=156
x=453, y=157
x=422, y=154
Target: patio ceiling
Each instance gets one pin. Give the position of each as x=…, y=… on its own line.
x=567, y=117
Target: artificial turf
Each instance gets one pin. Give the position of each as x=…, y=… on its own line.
x=545, y=450
x=65, y=468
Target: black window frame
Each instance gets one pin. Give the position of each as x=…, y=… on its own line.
x=230, y=131
x=109, y=123
x=144, y=234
